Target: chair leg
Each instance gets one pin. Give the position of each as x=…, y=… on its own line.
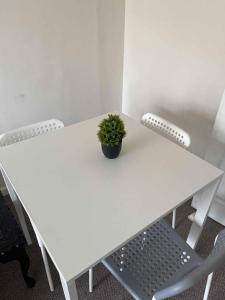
x=174, y=219
x=24, y=261
x=208, y=286
x=91, y=280
x=206, y=196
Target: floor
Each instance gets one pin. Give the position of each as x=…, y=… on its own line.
x=12, y=286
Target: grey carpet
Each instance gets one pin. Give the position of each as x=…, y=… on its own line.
x=12, y=286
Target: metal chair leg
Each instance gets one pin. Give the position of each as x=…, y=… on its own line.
x=174, y=219
x=91, y=280
x=208, y=286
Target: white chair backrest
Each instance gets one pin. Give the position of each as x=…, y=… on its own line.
x=166, y=128
x=26, y=132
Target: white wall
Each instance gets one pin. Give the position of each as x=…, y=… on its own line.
x=49, y=61
x=61, y=59
x=174, y=62
x=111, y=47
x=64, y=59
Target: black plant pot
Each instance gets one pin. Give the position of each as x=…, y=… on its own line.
x=112, y=151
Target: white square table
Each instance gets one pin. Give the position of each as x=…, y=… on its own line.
x=85, y=206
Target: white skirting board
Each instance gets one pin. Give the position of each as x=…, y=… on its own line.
x=217, y=210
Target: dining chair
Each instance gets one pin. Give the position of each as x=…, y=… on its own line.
x=27, y=132
x=158, y=263
x=215, y=154
x=18, y=135
x=170, y=131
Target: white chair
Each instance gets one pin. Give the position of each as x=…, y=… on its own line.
x=27, y=132
x=215, y=154
x=19, y=135
x=169, y=130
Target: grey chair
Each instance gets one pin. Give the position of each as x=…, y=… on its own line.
x=159, y=264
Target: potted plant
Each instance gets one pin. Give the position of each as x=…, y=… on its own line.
x=110, y=134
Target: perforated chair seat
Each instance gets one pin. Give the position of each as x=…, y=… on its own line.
x=156, y=258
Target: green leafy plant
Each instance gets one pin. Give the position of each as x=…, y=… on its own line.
x=111, y=130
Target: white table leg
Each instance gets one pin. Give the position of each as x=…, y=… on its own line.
x=45, y=258
x=69, y=289
x=47, y=269
x=205, y=196
x=18, y=207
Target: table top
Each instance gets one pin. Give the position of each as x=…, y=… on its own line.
x=84, y=205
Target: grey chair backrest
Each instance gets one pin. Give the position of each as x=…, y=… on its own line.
x=209, y=265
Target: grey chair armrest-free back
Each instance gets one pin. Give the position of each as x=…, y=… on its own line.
x=158, y=263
